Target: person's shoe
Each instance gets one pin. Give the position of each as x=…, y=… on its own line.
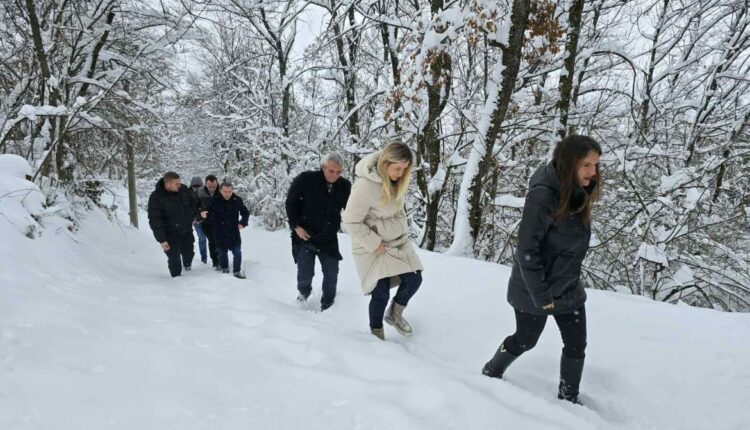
x=571, y=370
x=378, y=332
x=204, y=260
x=239, y=275
x=224, y=270
x=496, y=367
x=217, y=267
x=188, y=268
x=325, y=305
x=395, y=317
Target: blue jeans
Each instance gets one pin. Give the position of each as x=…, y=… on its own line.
x=410, y=283
x=306, y=272
x=236, y=258
x=201, y=241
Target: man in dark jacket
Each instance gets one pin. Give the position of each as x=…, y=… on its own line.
x=196, y=183
x=229, y=216
x=171, y=211
x=313, y=207
x=205, y=195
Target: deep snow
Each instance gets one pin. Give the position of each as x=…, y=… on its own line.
x=95, y=335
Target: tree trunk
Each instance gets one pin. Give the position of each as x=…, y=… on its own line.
x=428, y=143
x=571, y=51
x=644, y=126
x=347, y=65
x=132, y=197
x=511, y=60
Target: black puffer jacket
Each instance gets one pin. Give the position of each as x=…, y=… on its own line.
x=171, y=213
x=226, y=215
x=309, y=205
x=205, y=197
x=547, y=264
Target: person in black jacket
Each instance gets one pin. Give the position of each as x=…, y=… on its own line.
x=205, y=196
x=313, y=207
x=229, y=215
x=196, y=183
x=553, y=239
x=172, y=208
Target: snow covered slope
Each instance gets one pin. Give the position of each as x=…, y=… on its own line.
x=95, y=335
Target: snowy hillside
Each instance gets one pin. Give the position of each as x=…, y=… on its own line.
x=95, y=335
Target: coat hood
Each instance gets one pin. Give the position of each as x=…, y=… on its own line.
x=545, y=176
x=367, y=168
x=196, y=182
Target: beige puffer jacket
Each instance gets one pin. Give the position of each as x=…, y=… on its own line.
x=369, y=223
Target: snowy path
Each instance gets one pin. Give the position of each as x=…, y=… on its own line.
x=94, y=335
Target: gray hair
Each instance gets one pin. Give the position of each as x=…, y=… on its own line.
x=335, y=157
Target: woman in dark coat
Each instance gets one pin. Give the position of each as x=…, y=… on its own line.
x=553, y=239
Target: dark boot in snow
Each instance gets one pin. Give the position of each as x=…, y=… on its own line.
x=495, y=368
x=239, y=275
x=188, y=268
x=571, y=370
x=224, y=270
x=325, y=305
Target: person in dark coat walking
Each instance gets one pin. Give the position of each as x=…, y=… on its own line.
x=229, y=215
x=205, y=196
x=553, y=239
x=172, y=207
x=313, y=207
x=196, y=183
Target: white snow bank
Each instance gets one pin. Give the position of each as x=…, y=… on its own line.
x=20, y=200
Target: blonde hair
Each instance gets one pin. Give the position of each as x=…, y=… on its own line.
x=395, y=152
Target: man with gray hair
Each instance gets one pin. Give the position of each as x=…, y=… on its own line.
x=313, y=207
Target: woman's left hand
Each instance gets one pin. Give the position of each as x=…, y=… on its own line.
x=549, y=306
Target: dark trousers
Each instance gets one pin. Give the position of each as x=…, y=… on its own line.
x=236, y=257
x=410, y=283
x=212, y=252
x=529, y=327
x=180, y=252
x=306, y=272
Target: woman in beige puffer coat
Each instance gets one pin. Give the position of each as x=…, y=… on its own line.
x=376, y=221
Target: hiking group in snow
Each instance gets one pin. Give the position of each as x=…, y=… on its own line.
x=216, y=213
x=553, y=239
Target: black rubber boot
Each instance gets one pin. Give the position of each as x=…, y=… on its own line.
x=499, y=363
x=571, y=370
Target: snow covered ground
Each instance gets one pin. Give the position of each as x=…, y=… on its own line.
x=95, y=335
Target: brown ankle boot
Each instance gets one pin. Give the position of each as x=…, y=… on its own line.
x=395, y=317
x=378, y=332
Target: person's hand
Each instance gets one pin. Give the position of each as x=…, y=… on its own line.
x=165, y=246
x=381, y=249
x=204, y=214
x=240, y=226
x=549, y=306
x=195, y=222
x=302, y=234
